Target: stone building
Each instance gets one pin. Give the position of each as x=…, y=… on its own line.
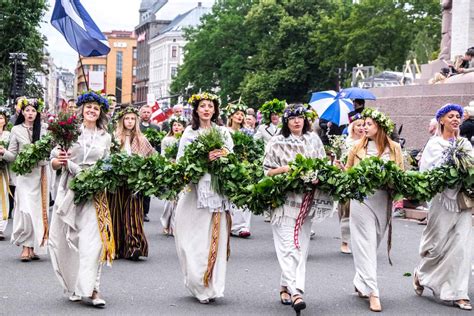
x=167, y=48
x=147, y=28
x=114, y=73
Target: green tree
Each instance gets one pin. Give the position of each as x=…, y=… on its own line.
x=216, y=54
x=289, y=48
x=19, y=24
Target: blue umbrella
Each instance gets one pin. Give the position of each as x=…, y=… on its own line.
x=330, y=108
x=356, y=93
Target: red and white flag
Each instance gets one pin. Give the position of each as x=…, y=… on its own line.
x=141, y=37
x=158, y=115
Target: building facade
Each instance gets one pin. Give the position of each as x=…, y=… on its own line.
x=114, y=73
x=148, y=28
x=57, y=84
x=167, y=51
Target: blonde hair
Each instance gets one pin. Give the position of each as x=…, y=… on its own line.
x=352, y=126
x=120, y=133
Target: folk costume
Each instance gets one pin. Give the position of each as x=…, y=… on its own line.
x=203, y=225
x=167, y=219
x=30, y=219
x=291, y=222
x=446, y=242
x=81, y=237
x=4, y=186
x=370, y=219
x=241, y=218
x=126, y=207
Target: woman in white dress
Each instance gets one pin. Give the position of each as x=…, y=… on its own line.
x=177, y=125
x=446, y=243
x=81, y=236
x=370, y=219
x=241, y=218
x=356, y=132
x=202, y=218
x=30, y=220
x=4, y=174
x=295, y=138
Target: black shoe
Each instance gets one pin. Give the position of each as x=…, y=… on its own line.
x=146, y=219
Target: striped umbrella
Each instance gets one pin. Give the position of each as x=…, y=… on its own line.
x=330, y=108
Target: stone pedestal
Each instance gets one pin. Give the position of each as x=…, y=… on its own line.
x=414, y=106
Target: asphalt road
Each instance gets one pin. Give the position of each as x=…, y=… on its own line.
x=155, y=285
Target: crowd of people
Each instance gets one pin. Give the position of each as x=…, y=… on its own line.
x=80, y=238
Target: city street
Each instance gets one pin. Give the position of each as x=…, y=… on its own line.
x=155, y=285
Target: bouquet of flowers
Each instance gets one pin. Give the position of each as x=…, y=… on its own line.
x=64, y=129
x=337, y=146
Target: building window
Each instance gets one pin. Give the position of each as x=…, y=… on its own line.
x=134, y=53
x=118, y=80
x=174, y=51
x=134, y=71
x=174, y=71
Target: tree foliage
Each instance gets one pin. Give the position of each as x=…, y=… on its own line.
x=19, y=31
x=286, y=49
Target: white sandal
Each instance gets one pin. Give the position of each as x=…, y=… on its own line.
x=464, y=306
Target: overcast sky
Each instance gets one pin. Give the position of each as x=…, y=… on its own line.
x=108, y=15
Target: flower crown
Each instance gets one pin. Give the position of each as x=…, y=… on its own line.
x=177, y=119
x=92, y=96
x=231, y=108
x=381, y=119
x=5, y=111
x=448, y=108
x=295, y=110
x=23, y=102
x=273, y=106
x=196, y=98
x=127, y=110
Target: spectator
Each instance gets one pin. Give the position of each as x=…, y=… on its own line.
x=462, y=63
x=145, y=119
x=178, y=110
x=467, y=127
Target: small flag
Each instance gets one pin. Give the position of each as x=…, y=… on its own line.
x=158, y=115
x=141, y=37
x=72, y=20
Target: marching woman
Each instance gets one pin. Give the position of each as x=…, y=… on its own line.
x=4, y=174
x=177, y=125
x=271, y=111
x=269, y=127
x=126, y=207
x=240, y=218
x=30, y=220
x=202, y=220
x=446, y=243
x=356, y=133
x=292, y=238
x=81, y=236
x=370, y=219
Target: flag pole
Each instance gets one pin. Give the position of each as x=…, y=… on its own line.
x=83, y=72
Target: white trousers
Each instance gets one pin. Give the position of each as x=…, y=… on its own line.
x=368, y=224
x=240, y=221
x=292, y=260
